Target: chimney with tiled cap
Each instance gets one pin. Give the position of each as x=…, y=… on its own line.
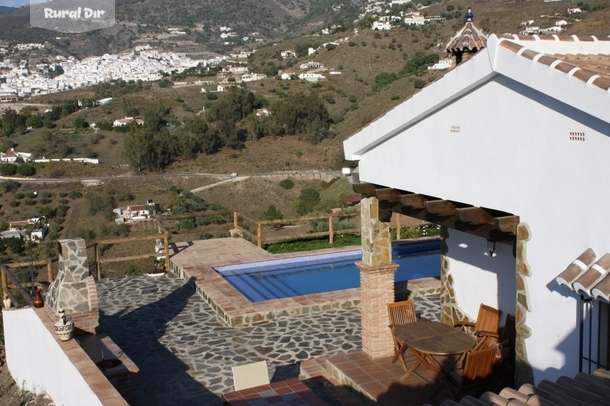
x=468, y=41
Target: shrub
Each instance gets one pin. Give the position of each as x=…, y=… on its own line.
x=308, y=199
x=272, y=213
x=14, y=203
x=29, y=202
x=75, y=194
x=8, y=169
x=133, y=270
x=419, y=83
x=287, y=184
x=19, y=195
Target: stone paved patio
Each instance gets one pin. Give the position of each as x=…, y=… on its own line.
x=185, y=353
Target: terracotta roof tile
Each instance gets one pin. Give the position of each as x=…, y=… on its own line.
x=564, y=67
x=470, y=38
x=546, y=60
x=587, y=277
x=513, y=46
x=529, y=54
x=603, y=83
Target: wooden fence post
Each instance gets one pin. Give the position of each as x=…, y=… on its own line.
x=4, y=281
x=49, y=271
x=331, y=236
x=97, y=261
x=259, y=234
x=166, y=249
x=235, y=224
x=397, y=225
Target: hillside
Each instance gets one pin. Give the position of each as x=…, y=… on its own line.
x=371, y=77
x=147, y=22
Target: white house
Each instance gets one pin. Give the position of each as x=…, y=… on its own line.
x=311, y=77
x=120, y=122
x=415, y=20
x=137, y=212
x=520, y=135
x=12, y=156
x=311, y=65
x=446, y=63
x=381, y=25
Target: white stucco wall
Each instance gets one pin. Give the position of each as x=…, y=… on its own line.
x=479, y=278
x=36, y=361
x=512, y=152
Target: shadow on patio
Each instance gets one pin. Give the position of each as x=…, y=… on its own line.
x=140, y=330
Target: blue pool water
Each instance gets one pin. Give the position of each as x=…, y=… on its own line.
x=326, y=272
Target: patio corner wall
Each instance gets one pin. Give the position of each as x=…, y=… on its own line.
x=376, y=281
x=450, y=311
x=40, y=362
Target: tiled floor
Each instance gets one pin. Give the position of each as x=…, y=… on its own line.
x=377, y=380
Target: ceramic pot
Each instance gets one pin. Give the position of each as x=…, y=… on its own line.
x=64, y=327
x=37, y=300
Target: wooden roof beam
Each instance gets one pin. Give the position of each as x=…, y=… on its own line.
x=387, y=194
x=412, y=201
x=473, y=215
x=364, y=188
x=507, y=224
x=440, y=207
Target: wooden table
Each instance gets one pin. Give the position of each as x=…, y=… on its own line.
x=429, y=339
x=290, y=392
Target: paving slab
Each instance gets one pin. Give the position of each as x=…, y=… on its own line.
x=185, y=352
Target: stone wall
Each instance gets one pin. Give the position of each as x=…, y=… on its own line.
x=74, y=288
x=523, y=373
x=450, y=311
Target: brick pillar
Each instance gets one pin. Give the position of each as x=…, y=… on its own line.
x=376, y=281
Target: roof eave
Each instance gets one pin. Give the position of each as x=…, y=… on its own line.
x=433, y=97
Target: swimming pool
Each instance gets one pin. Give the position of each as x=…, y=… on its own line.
x=281, y=278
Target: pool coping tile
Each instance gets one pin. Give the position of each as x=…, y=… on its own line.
x=196, y=260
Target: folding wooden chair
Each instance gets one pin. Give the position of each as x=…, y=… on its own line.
x=476, y=372
x=400, y=313
x=485, y=329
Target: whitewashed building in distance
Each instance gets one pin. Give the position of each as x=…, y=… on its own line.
x=520, y=135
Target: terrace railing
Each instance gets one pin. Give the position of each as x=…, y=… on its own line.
x=257, y=231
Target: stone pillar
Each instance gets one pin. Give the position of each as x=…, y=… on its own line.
x=74, y=288
x=376, y=281
x=523, y=369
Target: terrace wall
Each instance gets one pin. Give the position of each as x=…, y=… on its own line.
x=39, y=362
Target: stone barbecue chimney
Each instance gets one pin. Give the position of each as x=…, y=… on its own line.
x=74, y=288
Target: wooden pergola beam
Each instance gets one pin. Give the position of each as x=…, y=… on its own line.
x=440, y=207
x=365, y=188
x=507, y=224
x=387, y=194
x=412, y=201
x=474, y=215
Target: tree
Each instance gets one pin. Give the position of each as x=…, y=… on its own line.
x=308, y=199
x=78, y=122
x=26, y=170
x=272, y=213
x=8, y=169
